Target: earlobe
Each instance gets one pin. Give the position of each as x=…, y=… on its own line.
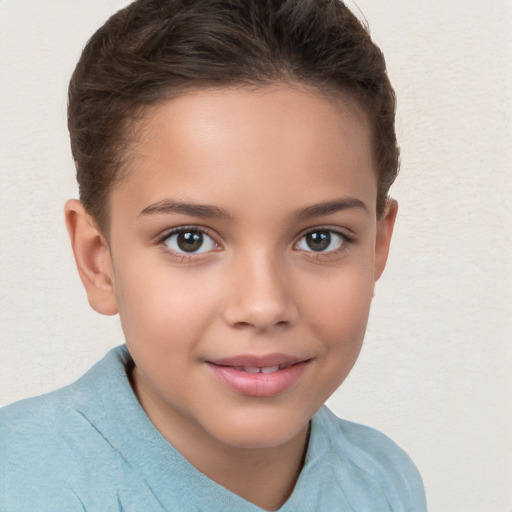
x=384, y=232
x=92, y=257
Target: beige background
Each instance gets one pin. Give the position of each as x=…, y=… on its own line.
x=436, y=371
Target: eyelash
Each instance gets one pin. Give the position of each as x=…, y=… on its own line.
x=344, y=239
x=186, y=256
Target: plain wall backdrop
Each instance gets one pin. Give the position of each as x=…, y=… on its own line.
x=435, y=373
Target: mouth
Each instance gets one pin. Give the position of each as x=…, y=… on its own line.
x=260, y=376
x=260, y=369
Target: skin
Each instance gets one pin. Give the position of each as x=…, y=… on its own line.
x=264, y=157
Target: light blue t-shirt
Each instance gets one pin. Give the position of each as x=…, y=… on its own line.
x=90, y=447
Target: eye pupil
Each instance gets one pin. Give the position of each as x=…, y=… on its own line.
x=318, y=240
x=190, y=241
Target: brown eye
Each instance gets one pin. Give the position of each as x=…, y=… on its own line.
x=321, y=240
x=190, y=241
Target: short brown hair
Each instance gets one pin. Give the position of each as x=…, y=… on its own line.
x=153, y=49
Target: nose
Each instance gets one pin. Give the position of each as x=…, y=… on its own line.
x=260, y=295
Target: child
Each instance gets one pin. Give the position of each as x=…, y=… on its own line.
x=234, y=159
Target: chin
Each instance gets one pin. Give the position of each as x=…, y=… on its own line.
x=252, y=429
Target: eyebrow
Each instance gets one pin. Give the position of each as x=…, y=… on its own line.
x=329, y=207
x=192, y=209
x=206, y=211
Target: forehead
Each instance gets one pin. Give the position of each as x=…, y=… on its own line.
x=250, y=147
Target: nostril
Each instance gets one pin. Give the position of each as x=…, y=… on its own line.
x=241, y=325
x=246, y=325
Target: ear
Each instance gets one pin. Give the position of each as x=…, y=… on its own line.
x=92, y=257
x=384, y=231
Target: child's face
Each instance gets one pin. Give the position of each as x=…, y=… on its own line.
x=245, y=236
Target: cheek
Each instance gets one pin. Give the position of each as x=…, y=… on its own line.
x=338, y=320
x=162, y=307
x=339, y=308
x=163, y=321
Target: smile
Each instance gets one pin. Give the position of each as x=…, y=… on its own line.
x=258, y=376
x=262, y=369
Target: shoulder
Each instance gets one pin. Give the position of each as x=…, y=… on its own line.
x=58, y=414
x=38, y=454
x=378, y=457
x=49, y=446
x=43, y=424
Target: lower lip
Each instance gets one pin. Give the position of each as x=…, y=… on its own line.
x=258, y=384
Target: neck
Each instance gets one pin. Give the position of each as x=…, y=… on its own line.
x=265, y=477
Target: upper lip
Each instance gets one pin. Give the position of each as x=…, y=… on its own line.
x=258, y=361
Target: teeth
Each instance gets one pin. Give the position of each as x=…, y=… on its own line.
x=252, y=370
x=266, y=369
x=270, y=369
